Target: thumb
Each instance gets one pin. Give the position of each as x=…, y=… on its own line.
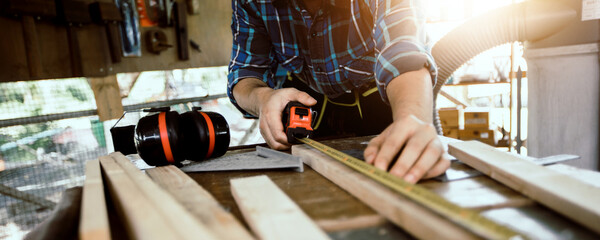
x=304, y=98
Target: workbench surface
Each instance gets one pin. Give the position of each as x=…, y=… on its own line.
x=345, y=217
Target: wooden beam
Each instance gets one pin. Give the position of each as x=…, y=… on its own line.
x=412, y=217
x=27, y=197
x=270, y=213
x=93, y=223
x=198, y=202
x=108, y=97
x=566, y=195
x=452, y=99
x=172, y=212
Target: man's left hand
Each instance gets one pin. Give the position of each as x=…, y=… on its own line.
x=422, y=154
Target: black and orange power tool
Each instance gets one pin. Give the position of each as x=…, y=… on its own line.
x=297, y=121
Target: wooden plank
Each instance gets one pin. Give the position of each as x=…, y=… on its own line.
x=108, y=97
x=27, y=197
x=139, y=215
x=564, y=194
x=270, y=213
x=332, y=208
x=93, y=223
x=172, y=213
x=412, y=217
x=199, y=202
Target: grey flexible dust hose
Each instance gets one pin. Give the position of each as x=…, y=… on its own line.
x=527, y=21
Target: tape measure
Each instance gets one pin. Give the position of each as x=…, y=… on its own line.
x=466, y=218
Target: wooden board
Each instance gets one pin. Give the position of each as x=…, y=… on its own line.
x=138, y=214
x=564, y=194
x=412, y=217
x=270, y=213
x=172, y=212
x=332, y=208
x=108, y=97
x=93, y=223
x=198, y=202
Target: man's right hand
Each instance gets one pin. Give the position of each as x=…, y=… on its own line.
x=257, y=98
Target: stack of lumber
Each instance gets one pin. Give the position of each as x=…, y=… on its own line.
x=145, y=210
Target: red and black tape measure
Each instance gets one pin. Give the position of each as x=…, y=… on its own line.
x=297, y=120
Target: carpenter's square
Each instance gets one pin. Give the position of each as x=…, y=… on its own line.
x=262, y=158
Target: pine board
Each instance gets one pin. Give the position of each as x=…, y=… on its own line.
x=270, y=213
x=564, y=194
x=198, y=202
x=412, y=217
x=173, y=213
x=93, y=223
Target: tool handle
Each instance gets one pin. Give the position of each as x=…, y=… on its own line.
x=32, y=47
x=74, y=53
x=114, y=42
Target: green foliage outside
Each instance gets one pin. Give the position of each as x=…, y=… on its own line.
x=36, y=98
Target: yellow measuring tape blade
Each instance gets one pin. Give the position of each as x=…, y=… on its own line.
x=466, y=218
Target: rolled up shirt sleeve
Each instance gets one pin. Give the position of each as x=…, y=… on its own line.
x=400, y=42
x=251, y=55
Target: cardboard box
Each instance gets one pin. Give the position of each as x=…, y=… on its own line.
x=477, y=120
x=450, y=132
x=482, y=135
x=450, y=117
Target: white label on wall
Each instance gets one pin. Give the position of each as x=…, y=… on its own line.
x=590, y=10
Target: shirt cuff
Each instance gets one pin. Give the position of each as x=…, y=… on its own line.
x=234, y=78
x=391, y=64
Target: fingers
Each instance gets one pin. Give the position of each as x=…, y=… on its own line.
x=422, y=166
x=305, y=99
x=267, y=134
x=440, y=167
x=271, y=127
x=422, y=154
x=416, y=153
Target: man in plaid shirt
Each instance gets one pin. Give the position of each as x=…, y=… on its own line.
x=363, y=64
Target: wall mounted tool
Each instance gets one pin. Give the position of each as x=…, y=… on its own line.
x=181, y=30
x=108, y=14
x=156, y=41
x=73, y=14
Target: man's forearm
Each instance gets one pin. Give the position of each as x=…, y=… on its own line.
x=410, y=93
x=249, y=94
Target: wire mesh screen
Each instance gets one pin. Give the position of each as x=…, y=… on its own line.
x=49, y=129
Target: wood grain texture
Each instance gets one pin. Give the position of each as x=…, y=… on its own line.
x=139, y=215
x=108, y=97
x=199, y=202
x=332, y=208
x=412, y=217
x=172, y=212
x=93, y=223
x=210, y=28
x=270, y=213
x=564, y=194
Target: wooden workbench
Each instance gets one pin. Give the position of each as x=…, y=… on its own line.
x=345, y=217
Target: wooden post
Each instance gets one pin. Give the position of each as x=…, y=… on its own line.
x=108, y=97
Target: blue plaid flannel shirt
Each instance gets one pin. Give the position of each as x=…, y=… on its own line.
x=345, y=45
